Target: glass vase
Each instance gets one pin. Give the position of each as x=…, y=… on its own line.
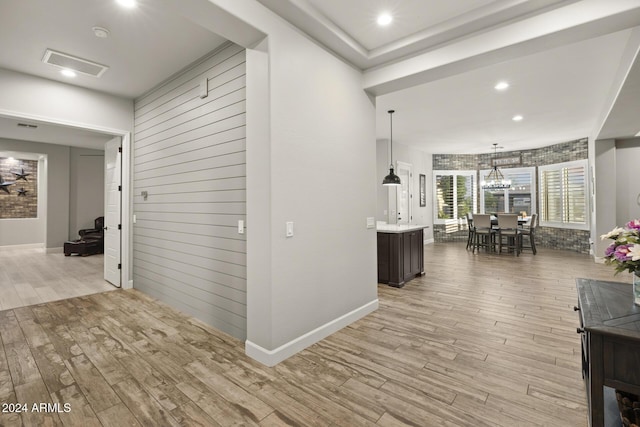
x=636, y=288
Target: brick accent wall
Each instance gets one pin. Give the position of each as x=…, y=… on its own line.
x=13, y=205
x=556, y=238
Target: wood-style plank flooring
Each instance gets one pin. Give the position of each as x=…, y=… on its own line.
x=30, y=276
x=480, y=340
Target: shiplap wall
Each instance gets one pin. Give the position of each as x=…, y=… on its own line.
x=189, y=155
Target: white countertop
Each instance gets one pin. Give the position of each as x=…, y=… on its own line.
x=395, y=228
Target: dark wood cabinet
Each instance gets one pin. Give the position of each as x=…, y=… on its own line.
x=400, y=256
x=610, y=331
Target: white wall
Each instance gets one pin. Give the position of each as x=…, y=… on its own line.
x=56, y=220
x=422, y=164
x=627, y=181
x=317, y=133
x=41, y=98
x=605, y=181
x=86, y=189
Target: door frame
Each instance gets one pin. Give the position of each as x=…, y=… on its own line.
x=127, y=200
x=408, y=167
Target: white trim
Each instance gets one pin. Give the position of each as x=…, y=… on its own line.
x=598, y=259
x=273, y=357
x=23, y=246
x=584, y=163
x=54, y=250
x=429, y=241
x=434, y=185
x=506, y=172
x=408, y=167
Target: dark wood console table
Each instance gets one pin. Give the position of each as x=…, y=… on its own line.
x=610, y=329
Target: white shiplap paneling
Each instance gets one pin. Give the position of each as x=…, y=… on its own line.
x=189, y=156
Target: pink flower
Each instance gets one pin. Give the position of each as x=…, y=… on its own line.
x=610, y=250
x=622, y=253
x=634, y=225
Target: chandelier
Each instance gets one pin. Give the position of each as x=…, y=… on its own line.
x=495, y=180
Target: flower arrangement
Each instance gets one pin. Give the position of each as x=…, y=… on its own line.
x=624, y=252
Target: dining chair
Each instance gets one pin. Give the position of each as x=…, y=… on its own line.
x=508, y=228
x=484, y=234
x=530, y=231
x=471, y=230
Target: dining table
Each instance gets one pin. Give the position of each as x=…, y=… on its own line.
x=521, y=220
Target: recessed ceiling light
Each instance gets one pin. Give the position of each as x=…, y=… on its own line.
x=501, y=86
x=384, y=19
x=517, y=118
x=101, y=32
x=68, y=73
x=129, y=4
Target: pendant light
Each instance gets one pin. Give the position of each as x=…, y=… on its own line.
x=392, y=178
x=495, y=180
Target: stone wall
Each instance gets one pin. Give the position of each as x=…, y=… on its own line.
x=548, y=237
x=22, y=199
x=558, y=153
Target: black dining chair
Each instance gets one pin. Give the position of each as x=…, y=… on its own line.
x=471, y=230
x=508, y=229
x=530, y=232
x=484, y=233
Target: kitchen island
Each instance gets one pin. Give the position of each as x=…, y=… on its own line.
x=400, y=253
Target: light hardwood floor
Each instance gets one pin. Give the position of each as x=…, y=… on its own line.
x=480, y=340
x=29, y=276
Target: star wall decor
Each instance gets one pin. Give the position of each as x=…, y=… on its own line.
x=4, y=185
x=22, y=192
x=22, y=175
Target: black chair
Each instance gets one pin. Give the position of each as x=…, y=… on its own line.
x=508, y=228
x=471, y=230
x=91, y=240
x=484, y=234
x=530, y=232
x=95, y=233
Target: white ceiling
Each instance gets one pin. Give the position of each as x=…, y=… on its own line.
x=146, y=45
x=561, y=68
x=559, y=92
x=52, y=134
x=561, y=58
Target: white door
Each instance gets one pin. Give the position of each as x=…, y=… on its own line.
x=112, y=202
x=404, y=193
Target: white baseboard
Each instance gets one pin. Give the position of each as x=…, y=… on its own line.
x=26, y=246
x=273, y=357
x=429, y=241
x=54, y=250
x=598, y=259
x=129, y=285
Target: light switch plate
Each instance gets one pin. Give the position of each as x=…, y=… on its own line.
x=371, y=222
x=289, y=232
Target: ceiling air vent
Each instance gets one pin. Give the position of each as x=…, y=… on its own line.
x=62, y=60
x=27, y=125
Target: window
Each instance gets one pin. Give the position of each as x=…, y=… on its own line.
x=563, y=195
x=520, y=197
x=455, y=193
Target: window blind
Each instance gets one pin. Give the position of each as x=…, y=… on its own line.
x=454, y=194
x=563, y=190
